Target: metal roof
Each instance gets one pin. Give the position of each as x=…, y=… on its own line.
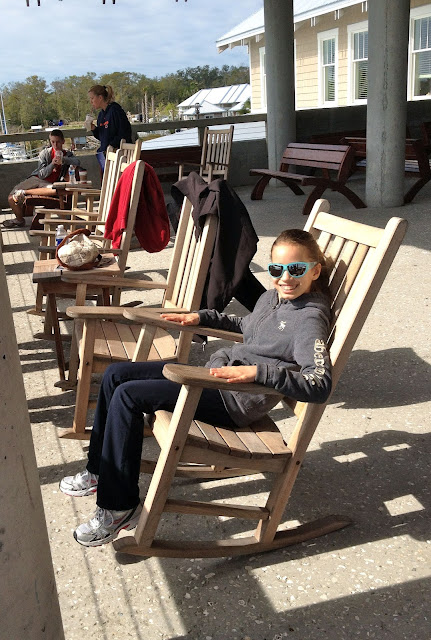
x=189, y=137
x=219, y=95
x=302, y=10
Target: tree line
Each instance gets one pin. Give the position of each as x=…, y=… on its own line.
x=35, y=102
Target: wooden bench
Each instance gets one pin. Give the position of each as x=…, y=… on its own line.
x=336, y=158
x=336, y=137
x=416, y=162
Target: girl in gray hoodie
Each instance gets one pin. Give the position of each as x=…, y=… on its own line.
x=283, y=348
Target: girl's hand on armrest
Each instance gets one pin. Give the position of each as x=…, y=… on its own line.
x=236, y=374
x=182, y=318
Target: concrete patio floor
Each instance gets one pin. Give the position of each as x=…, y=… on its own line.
x=369, y=460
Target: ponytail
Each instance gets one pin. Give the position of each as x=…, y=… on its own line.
x=106, y=91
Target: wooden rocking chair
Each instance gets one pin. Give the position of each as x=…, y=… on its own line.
x=105, y=336
x=216, y=152
x=92, y=218
x=131, y=150
x=108, y=273
x=362, y=255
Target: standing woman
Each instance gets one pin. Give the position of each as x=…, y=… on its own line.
x=112, y=122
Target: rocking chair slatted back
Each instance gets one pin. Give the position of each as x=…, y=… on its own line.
x=216, y=153
x=103, y=340
x=131, y=150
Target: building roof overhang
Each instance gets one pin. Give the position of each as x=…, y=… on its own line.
x=254, y=25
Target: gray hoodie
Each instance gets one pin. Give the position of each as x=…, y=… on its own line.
x=286, y=340
x=46, y=166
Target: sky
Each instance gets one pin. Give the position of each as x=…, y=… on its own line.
x=152, y=37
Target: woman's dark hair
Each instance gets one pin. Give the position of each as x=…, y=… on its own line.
x=57, y=133
x=106, y=91
x=306, y=240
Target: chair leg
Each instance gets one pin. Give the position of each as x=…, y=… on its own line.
x=144, y=344
x=81, y=292
x=39, y=300
x=414, y=189
x=314, y=195
x=357, y=202
x=79, y=431
x=259, y=188
x=164, y=473
x=73, y=361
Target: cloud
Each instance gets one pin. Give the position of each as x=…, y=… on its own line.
x=153, y=37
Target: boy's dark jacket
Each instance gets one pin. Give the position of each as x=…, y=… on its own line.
x=235, y=244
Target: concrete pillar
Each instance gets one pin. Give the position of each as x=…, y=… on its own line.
x=280, y=78
x=28, y=595
x=388, y=29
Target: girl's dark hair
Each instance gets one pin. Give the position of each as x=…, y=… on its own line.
x=57, y=133
x=306, y=240
x=103, y=90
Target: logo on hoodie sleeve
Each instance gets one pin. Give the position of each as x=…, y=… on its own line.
x=320, y=352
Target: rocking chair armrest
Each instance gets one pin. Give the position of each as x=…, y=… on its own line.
x=51, y=234
x=62, y=213
x=82, y=189
x=110, y=281
x=187, y=164
x=42, y=234
x=201, y=377
x=71, y=223
x=213, y=162
x=152, y=317
x=67, y=213
x=96, y=313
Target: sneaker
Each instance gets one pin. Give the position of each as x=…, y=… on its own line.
x=13, y=223
x=19, y=196
x=105, y=525
x=83, y=484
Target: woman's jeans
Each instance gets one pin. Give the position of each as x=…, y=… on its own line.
x=128, y=391
x=101, y=159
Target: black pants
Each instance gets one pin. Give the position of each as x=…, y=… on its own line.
x=128, y=391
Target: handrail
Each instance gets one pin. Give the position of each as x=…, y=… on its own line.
x=140, y=127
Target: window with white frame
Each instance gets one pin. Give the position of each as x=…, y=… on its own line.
x=328, y=54
x=262, y=78
x=358, y=62
x=420, y=38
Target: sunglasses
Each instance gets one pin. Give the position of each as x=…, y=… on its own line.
x=294, y=269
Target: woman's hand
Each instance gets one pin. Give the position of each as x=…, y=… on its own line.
x=236, y=374
x=181, y=318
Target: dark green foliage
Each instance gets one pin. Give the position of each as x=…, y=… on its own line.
x=34, y=102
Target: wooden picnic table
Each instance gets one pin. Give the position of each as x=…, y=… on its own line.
x=416, y=162
x=171, y=158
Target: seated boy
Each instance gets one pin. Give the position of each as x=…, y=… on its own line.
x=52, y=167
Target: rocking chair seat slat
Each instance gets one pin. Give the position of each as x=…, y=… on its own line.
x=262, y=440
